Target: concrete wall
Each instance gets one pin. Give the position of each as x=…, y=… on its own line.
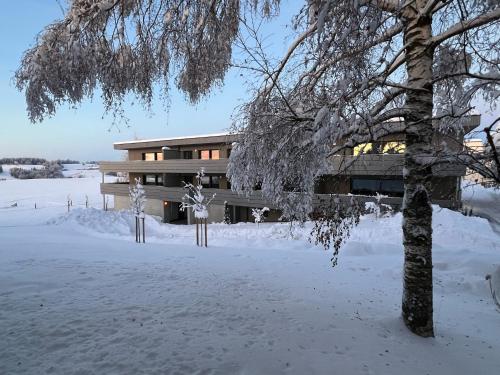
x=154, y=207
x=215, y=213
x=122, y=202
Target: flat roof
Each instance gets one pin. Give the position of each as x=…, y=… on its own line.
x=177, y=141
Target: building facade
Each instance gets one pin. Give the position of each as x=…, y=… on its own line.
x=163, y=165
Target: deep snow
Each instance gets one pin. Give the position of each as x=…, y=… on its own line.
x=79, y=296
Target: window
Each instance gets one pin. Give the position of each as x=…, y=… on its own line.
x=215, y=182
x=386, y=147
x=209, y=154
x=204, y=154
x=228, y=153
x=153, y=179
x=372, y=186
x=363, y=148
x=212, y=182
x=205, y=181
x=149, y=156
x=187, y=154
x=395, y=147
x=150, y=179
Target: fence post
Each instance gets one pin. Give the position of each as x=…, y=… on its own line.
x=206, y=236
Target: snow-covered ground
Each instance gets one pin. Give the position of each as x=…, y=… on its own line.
x=79, y=296
x=484, y=202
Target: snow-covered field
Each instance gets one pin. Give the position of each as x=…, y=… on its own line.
x=79, y=296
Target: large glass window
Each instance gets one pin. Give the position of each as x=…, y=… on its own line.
x=211, y=182
x=215, y=183
x=148, y=156
x=384, y=147
x=396, y=147
x=150, y=179
x=369, y=186
x=205, y=181
x=187, y=154
x=153, y=179
x=209, y=154
x=205, y=154
x=151, y=156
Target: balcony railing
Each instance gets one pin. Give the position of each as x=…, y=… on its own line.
x=363, y=165
x=165, y=166
x=175, y=194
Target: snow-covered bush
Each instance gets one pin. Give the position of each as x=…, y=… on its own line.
x=51, y=170
x=259, y=214
x=195, y=199
x=378, y=208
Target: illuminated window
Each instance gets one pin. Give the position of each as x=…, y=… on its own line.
x=363, y=148
x=391, y=147
x=159, y=156
x=209, y=154
x=148, y=156
x=394, y=148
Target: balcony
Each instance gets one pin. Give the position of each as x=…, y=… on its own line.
x=165, y=166
x=363, y=165
x=175, y=194
x=383, y=165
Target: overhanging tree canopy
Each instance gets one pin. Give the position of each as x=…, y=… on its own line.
x=355, y=66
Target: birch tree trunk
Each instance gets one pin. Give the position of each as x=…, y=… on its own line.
x=417, y=305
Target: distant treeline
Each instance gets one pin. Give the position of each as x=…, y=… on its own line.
x=35, y=161
x=23, y=161
x=51, y=169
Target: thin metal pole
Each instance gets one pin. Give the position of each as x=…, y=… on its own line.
x=197, y=236
x=136, y=231
x=206, y=236
x=143, y=231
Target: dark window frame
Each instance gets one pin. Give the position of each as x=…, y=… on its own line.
x=377, y=186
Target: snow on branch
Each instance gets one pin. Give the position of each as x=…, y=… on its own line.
x=194, y=198
x=137, y=198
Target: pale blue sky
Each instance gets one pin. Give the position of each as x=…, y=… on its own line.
x=84, y=133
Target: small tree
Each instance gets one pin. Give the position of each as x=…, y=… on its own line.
x=195, y=200
x=259, y=214
x=137, y=205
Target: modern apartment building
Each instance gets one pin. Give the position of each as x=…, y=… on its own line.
x=163, y=165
